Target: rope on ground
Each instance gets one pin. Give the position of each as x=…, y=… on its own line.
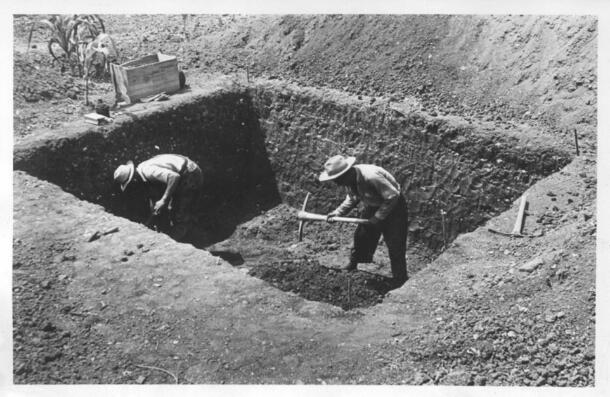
x=160, y=369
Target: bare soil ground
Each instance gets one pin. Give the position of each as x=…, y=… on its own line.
x=489, y=310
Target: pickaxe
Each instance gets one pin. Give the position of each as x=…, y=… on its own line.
x=309, y=216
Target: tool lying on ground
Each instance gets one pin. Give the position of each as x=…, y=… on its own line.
x=518, y=223
x=304, y=216
x=99, y=234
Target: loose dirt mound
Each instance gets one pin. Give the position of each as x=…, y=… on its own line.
x=528, y=69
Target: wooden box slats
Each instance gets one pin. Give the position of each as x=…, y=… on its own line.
x=145, y=76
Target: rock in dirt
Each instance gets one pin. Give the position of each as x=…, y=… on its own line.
x=140, y=379
x=48, y=327
x=538, y=233
x=21, y=369
x=550, y=318
x=54, y=355
x=540, y=381
x=480, y=380
x=553, y=348
x=458, y=378
x=532, y=265
x=420, y=379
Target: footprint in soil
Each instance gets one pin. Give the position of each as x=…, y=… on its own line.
x=312, y=281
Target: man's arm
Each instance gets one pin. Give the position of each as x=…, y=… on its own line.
x=345, y=207
x=170, y=188
x=163, y=175
x=390, y=198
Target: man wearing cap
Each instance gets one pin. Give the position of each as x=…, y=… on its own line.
x=175, y=178
x=384, y=206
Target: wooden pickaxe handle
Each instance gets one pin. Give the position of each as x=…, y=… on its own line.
x=308, y=216
x=304, y=216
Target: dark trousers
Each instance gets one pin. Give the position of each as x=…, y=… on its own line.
x=394, y=230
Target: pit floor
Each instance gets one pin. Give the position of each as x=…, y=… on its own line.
x=267, y=247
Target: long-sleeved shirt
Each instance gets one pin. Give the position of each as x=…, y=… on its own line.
x=375, y=187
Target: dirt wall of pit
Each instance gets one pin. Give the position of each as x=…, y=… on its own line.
x=219, y=131
x=268, y=142
x=470, y=171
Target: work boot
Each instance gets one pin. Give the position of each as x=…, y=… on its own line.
x=350, y=267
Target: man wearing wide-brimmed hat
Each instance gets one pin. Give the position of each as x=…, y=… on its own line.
x=384, y=206
x=175, y=178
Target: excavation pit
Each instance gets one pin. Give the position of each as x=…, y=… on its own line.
x=261, y=148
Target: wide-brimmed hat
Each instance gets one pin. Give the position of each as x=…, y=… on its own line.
x=335, y=167
x=124, y=174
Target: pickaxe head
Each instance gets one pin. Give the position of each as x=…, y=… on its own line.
x=302, y=222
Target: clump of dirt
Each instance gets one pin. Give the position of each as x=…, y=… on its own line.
x=309, y=279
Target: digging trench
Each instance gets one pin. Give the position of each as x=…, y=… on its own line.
x=261, y=149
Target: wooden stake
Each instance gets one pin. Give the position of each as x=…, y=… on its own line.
x=349, y=292
x=444, y=231
x=519, y=222
x=576, y=142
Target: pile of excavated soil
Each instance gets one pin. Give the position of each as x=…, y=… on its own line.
x=538, y=70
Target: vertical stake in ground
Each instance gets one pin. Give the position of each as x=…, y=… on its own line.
x=444, y=230
x=576, y=142
x=519, y=222
x=349, y=291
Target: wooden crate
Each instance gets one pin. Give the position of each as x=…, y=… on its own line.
x=144, y=77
